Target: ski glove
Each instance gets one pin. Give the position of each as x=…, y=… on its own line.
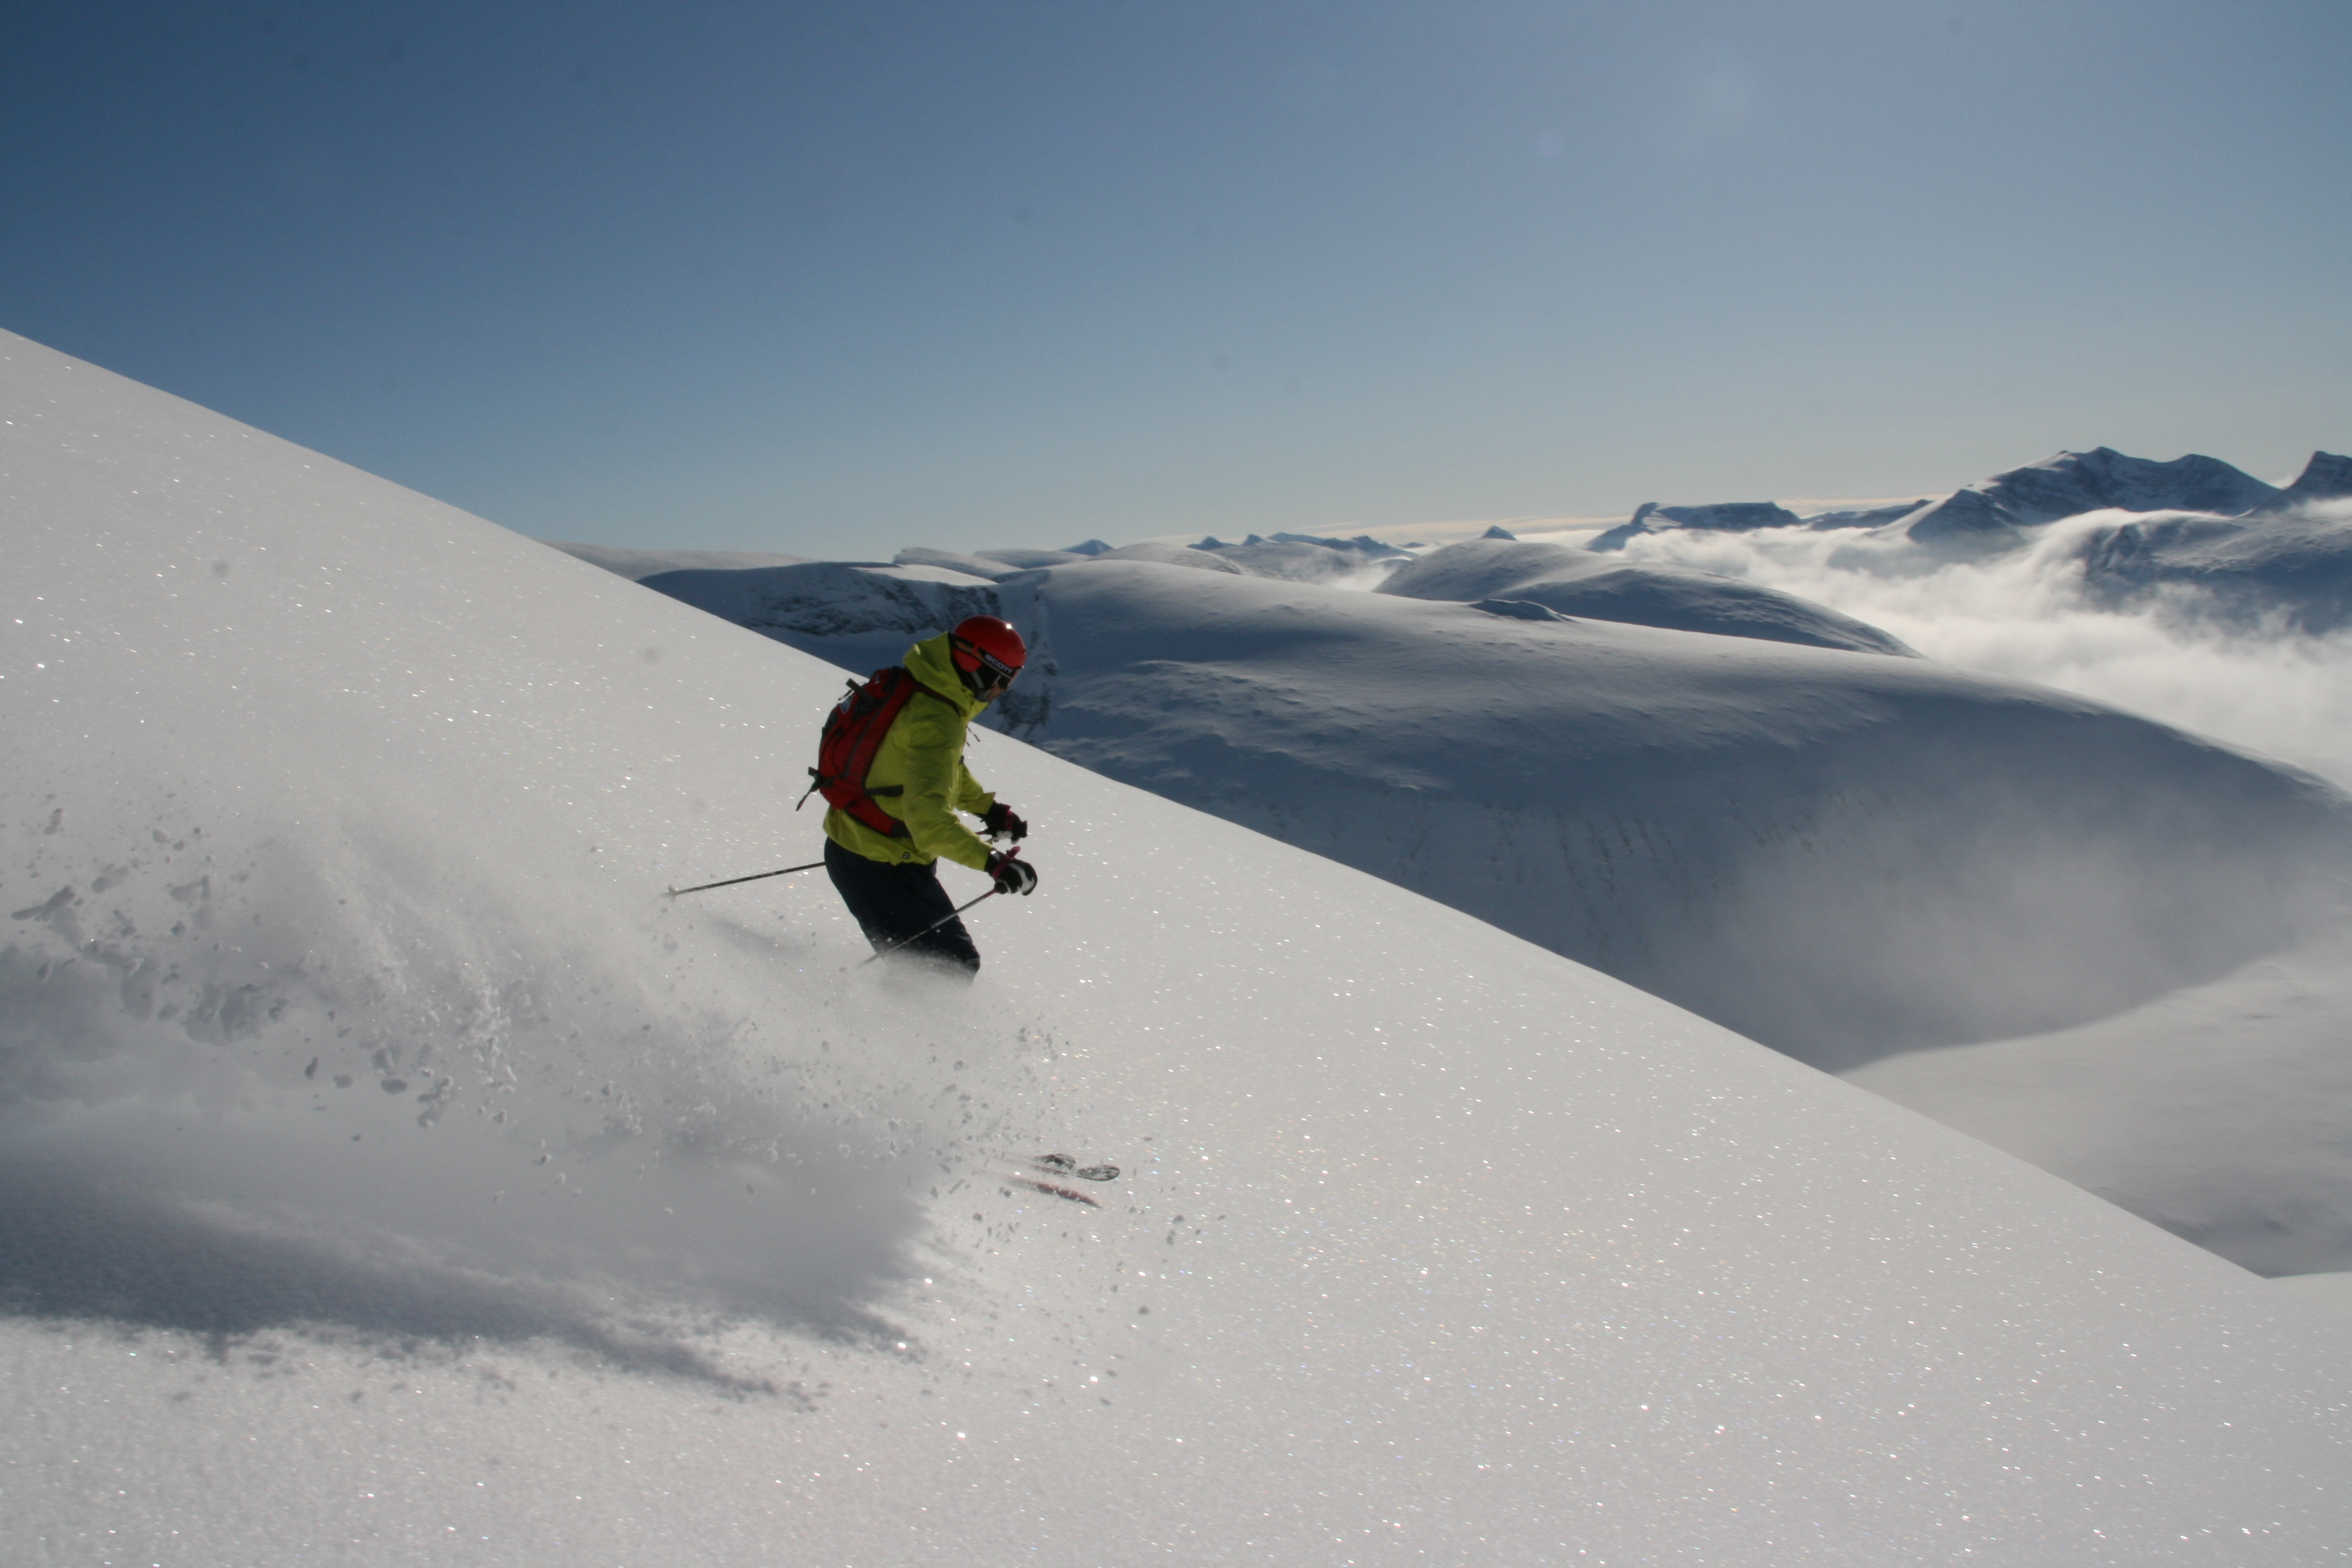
x=1001, y=820
x=1011, y=875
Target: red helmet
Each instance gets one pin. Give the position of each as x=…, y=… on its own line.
x=988, y=653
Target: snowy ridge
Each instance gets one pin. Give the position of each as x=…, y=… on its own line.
x=1432, y=1242
x=1571, y=583
x=2068, y=484
x=638, y=565
x=993, y=564
x=984, y=567
x=1994, y=513
x=865, y=616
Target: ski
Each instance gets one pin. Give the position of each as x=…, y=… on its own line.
x=1072, y=1193
x=1045, y=1166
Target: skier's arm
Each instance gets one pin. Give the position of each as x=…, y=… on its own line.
x=970, y=798
x=937, y=783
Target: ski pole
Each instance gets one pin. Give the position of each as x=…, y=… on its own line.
x=887, y=952
x=754, y=876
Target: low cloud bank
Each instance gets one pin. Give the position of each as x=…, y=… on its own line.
x=2254, y=683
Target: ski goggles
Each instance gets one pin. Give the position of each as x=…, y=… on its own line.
x=990, y=676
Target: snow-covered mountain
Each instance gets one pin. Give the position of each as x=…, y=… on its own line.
x=1304, y=558
x=1830, y=854
x=2285, y=568
x=1495, y=575
x=1659, y=805
x=1731, y=517
x=1840, y=519
x=1991, y=512
x=388, y=1173
x=2327, y=477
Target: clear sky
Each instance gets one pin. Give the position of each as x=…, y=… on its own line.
x=834, y=279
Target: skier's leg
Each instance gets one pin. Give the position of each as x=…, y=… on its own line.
x=947, y=945
x=891, y=903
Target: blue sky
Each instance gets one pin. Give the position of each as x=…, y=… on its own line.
x=837, y=278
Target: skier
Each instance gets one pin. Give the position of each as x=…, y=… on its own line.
x=917, y=778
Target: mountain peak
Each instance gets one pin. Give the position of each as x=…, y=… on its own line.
x=2326, y=476
x=2068, y=483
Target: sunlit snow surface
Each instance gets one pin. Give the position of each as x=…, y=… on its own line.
x=1877, y=865
x=1431, y=1245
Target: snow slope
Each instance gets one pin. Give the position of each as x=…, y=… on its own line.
x=1841, y=857
x=388, y=1173
x=2216, y=1110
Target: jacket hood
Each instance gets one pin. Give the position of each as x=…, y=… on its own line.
x=928, y=662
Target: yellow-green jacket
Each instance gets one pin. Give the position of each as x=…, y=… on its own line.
x=923, y=756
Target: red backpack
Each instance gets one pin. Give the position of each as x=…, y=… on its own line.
x=853, y=733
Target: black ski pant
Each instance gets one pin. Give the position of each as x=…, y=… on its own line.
x=891, y=903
